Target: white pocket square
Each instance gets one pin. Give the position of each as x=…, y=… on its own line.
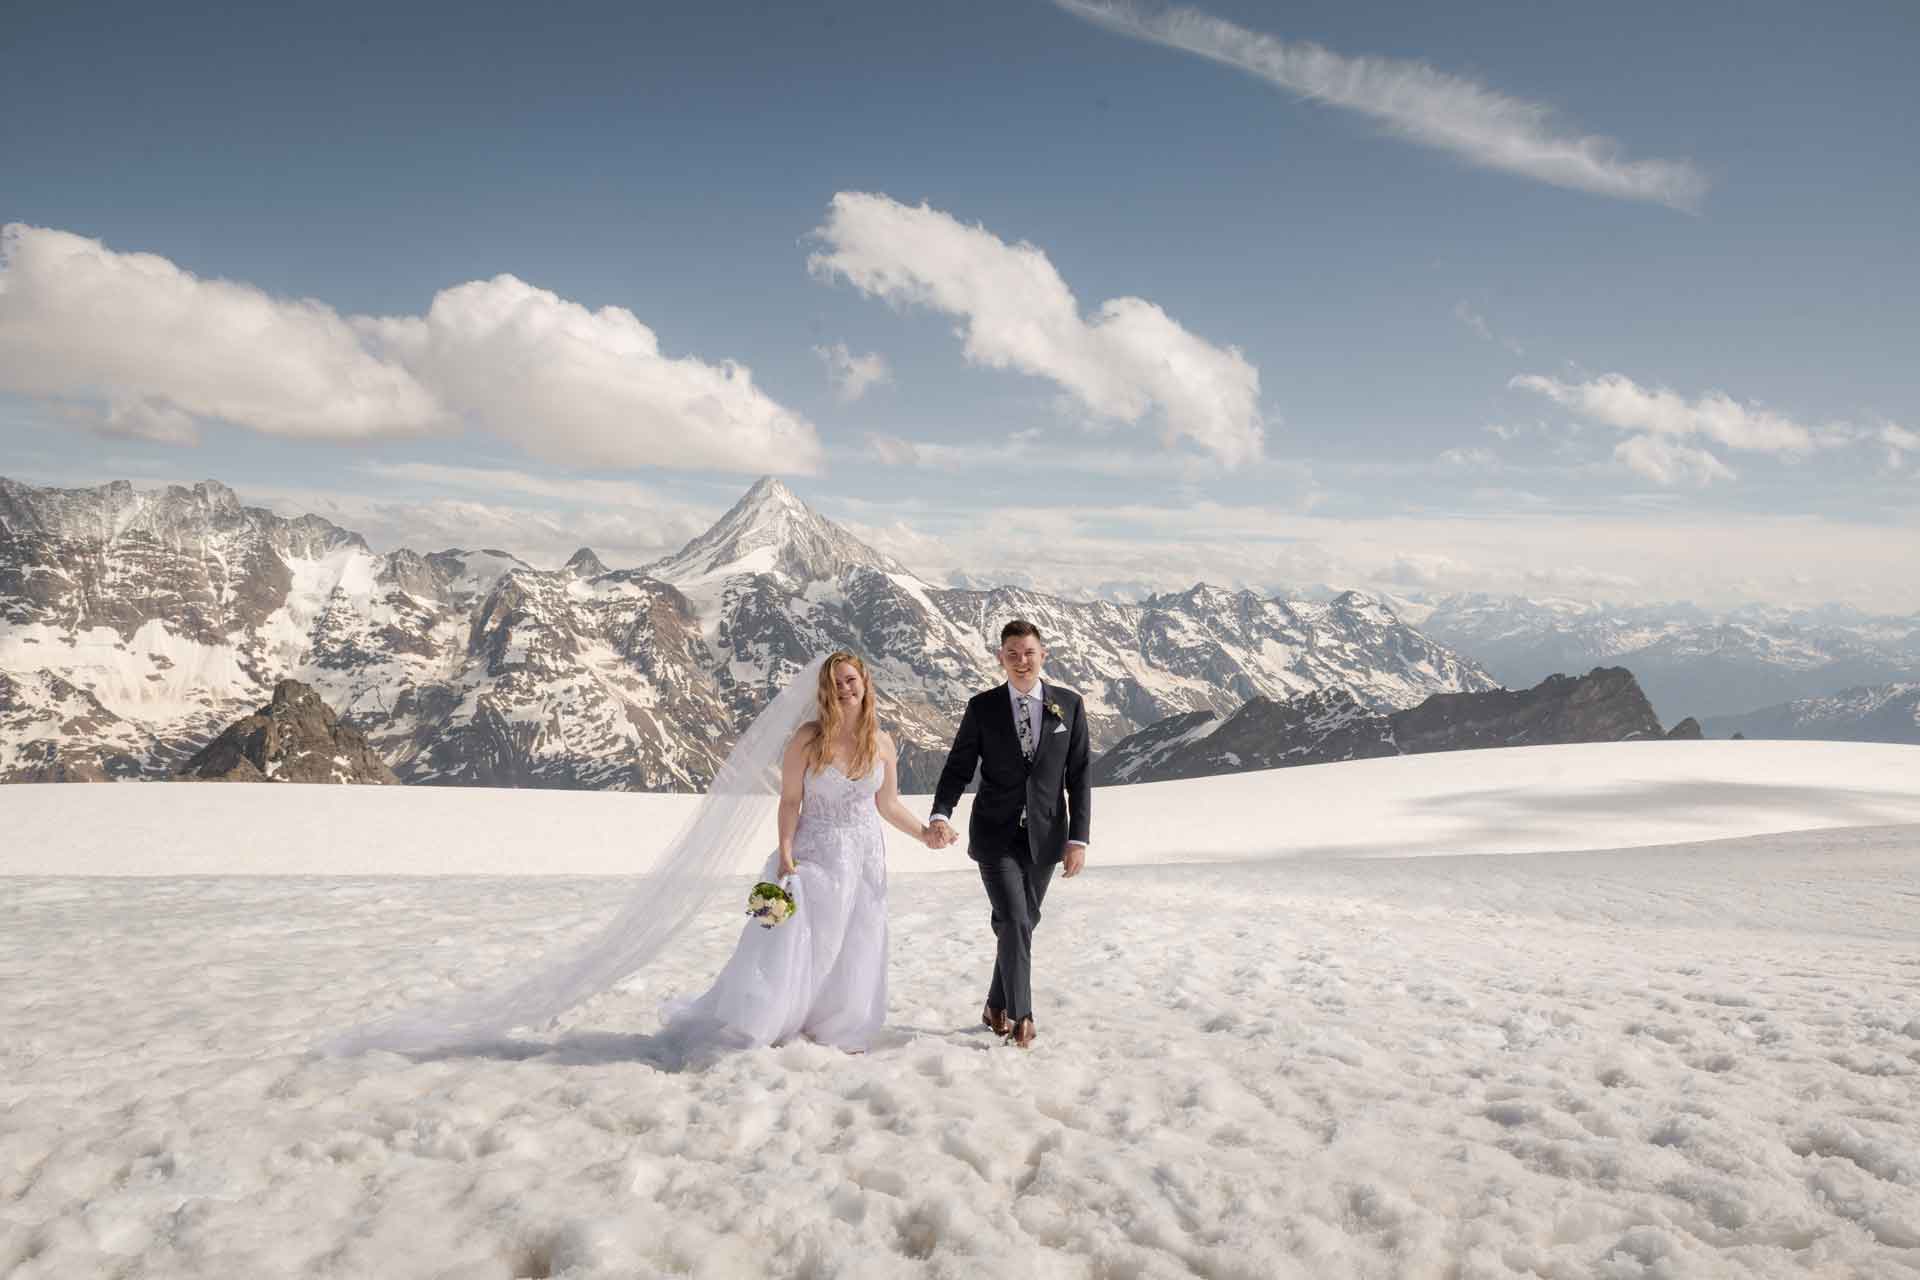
x=1059, y=728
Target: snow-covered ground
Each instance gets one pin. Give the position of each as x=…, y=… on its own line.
x=1279, y=1036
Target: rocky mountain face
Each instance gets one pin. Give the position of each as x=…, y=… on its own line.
x=51, y=730
x=1265, y=733
x=1708, y=664
x=296, y=737
x=1605, y=705
x=142, y=623
x=1886, y=713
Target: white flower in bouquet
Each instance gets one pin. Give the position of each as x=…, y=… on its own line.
x=770, y=904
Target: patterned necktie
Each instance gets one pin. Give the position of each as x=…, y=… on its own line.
x=1024, y=723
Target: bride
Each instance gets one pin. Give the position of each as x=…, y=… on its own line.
x=817, y=758
x=823, y=973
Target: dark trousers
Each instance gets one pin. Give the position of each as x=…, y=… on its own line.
x=1015, y=887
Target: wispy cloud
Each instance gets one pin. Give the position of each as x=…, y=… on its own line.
x=1899, y=443
x=1466, y=315
x=1426, y=569
x=1128, y=361
x=1469, y=460
x=1663, y=421
x=853, y=376
x=131, y=344
x=561, y=489
x=1673, y=549
x=1619, y=401
x=1033, y=448
x=543, y=535
x=1665, y=462
x=1418, y=103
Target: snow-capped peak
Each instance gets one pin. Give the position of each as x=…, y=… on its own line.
x=770, y=530
x=584, y=564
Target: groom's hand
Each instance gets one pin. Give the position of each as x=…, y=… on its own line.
x=943, y=834
x=1075, y=858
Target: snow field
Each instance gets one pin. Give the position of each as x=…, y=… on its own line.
x=1519, y=800
x=1680, y=1060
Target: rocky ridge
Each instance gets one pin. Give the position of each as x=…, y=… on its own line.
x=1885, y=713
x=1605, y=705
x=296, y=737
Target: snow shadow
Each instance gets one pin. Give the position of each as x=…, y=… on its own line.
x=1501, y=817
x=585, y=1048
x=671, y=1055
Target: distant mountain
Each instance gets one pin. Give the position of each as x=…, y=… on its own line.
x=1888, y=713
x=1686, y=659
x=135, y=626
x=1605, y=705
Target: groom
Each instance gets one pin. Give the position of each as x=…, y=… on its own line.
x=1033, y=811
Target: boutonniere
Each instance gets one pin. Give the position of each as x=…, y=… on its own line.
x=1053, y=709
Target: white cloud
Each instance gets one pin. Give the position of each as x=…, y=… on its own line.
x=1130, y=359
x=1618, y=401
x=1661, y=422
x=1418, y=103
x=162, y=352
x=1662, y=461
x=591, y=387
x=853, y=376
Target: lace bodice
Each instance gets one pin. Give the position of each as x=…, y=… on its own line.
x=832, y=799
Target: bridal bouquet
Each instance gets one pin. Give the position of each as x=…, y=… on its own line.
x=770, y=904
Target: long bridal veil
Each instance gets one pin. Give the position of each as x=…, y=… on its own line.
x=726, y=831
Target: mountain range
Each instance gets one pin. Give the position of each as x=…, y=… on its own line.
x=1689, y=661
x=1887, y=713
x=137, y=625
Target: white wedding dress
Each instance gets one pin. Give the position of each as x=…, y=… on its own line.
x=822, y=973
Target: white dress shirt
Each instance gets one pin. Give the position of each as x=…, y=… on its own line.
x=1036, y=721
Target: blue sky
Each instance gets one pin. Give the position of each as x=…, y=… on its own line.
x=1600, y=301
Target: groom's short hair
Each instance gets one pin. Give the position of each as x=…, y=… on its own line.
x=1020, y=627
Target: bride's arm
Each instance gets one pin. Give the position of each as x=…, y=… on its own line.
x=887, y=799
x=793, y=774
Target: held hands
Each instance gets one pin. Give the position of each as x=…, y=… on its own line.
x=941, y=835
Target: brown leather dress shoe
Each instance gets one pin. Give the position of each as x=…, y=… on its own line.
x=996, y=1021
x=1023, y=1033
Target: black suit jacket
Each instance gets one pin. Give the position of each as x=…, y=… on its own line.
x=1053, y=788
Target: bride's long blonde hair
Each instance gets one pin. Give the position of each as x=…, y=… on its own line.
x=866, y=725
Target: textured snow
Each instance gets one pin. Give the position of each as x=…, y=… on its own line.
x=153, y=675
x=1671, y=1060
